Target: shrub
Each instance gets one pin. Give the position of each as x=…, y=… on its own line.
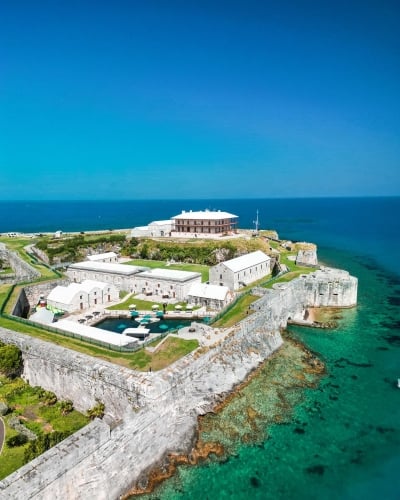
x=17, y=440
x=10, y=360
x=97, y=411
x=66, y=407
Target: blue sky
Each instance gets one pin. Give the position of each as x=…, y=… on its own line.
x=199, y=99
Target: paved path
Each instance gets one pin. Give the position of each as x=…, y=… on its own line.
x=2, y=433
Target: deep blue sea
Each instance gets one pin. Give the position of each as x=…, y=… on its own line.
x=341, y=439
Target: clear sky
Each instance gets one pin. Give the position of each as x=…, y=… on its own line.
x=197, y=99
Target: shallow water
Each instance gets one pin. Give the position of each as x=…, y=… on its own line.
x=338, y=440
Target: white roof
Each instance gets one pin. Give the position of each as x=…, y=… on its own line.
x=42, y=315
x=161, y=222
x=91, y=332
x=169, y=274
x=205, y=214
x=64, y=294
x=246, y=261
x=208, y=291
x=100, y=256
x=107, y=267
x=89, y=285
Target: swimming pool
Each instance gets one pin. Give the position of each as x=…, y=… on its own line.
x=118, y=325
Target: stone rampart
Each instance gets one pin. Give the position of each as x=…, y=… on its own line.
x=23, y=271
x=159, y=410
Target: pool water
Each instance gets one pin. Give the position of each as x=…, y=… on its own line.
x=118, y=325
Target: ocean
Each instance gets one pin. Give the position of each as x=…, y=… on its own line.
x=335, y=436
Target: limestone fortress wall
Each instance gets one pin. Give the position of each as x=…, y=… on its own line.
x=151, y=414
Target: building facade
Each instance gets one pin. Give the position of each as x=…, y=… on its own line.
x=120, y=275
x=110, y=257
x=80, y=296
x=205, y=222
x=241, y=271
x=214, y=297
x=165, y=283
x=156, y=229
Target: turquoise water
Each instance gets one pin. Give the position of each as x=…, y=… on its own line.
x=349, y=443
x=162, y=326
x=342, y=438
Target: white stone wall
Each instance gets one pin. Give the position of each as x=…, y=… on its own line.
x=158, y=287
x=221, y=274
x=121, y=282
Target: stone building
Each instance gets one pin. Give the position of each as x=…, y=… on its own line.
x=156, y=229
x=120, y=275
x=110, y=257
x=205, y=222
x=80, y=296
x=241, y=271
x=215, y=297
x=165, y=283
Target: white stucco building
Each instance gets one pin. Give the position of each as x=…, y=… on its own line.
x=158, y=228
x=79, y=296
x=166, y=283
x=241, y=271
x=120, y=275
x=103, y=257
x=214, y=297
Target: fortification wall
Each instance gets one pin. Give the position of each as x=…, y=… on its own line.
x=159, y=410
x=23, y=271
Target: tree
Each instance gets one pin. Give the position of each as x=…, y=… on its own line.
x=10, y=360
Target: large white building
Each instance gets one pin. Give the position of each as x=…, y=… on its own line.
x=205, y=222
x=80, y=296
x=214, y=297
x=241, y=271
x=120, y=275
x=166, y=283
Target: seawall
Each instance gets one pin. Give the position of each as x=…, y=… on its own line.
x=156, y=412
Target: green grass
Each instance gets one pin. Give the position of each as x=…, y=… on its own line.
x=4, y=289
x=142, y=305
x=238, y=312
x=18, y=245
x=196, y=268
x=170, y=351
x=291, y=275
x=24, y=401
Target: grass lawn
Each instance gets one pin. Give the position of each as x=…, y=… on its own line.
x=196, y=268
x=170, y=351
x=24, y=401
x=144, y=305
x=291, y=275
x=4, y=289
x=18, y=245
x=237, y=313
